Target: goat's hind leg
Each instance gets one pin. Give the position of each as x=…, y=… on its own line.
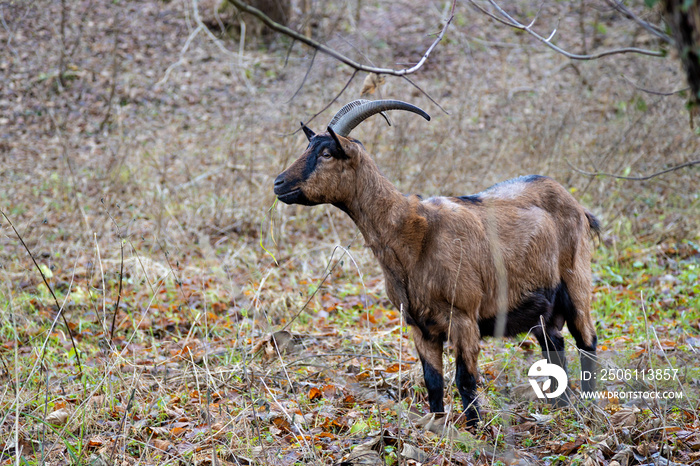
x=577, y=306
x=586, y=341
x=553, y=350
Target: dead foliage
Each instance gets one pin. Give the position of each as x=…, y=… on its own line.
x=243, y=335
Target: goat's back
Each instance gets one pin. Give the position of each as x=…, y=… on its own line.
x=528, y=231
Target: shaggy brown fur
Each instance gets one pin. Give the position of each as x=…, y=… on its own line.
x=462, y=268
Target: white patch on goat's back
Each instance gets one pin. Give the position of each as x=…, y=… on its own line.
x=444, y=202
x=511, y=189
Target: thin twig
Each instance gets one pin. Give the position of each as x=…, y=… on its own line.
x=121, y=274
x=119, y=293
x=325, y=276
x=219, y=44
x=115, y=72
x=509, y=21
x=651, y=28
x=81, y=27
x=425, y=94
x=9, y=376
x=329, y=103
x=62, y=55
x=181, y=60
x=651, y=91
x=334, y=53
x=104, y=288
x=303, y=81
x=121, y=426
x=10, y=35
x=634, y=178
x=46, y=282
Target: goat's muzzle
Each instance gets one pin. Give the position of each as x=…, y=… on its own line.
x=289, y=193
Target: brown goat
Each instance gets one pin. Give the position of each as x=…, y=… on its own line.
x=501, y=262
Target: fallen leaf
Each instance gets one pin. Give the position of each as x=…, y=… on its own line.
x=568, y=448
x=95, y=441
x=282, y=423
x=315, y=394
x=398, y=367
x=413, y=453
x=624, y=457
x=160, y=444
x=542, y=418
x=58, y=417
x=275, y=344
x=330, y=391
x=438, y=423
x=625, y=417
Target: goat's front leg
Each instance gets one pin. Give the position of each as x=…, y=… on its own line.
x=466, y=372
x=430, y=353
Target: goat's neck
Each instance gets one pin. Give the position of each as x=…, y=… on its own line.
x=386, y=218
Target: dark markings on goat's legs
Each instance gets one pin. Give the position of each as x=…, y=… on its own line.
x=466, y=385
x=589, y=365
x=564, y=304
x=553, y=346
x=434, y=382
x=554, y=349
x=430, y=352
x=589, y=369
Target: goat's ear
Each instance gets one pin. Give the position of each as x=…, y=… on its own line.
x=340, y=151
x=307, y=131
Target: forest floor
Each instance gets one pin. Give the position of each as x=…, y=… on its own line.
x=203, y=323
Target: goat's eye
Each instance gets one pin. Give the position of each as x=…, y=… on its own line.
x=326, y=154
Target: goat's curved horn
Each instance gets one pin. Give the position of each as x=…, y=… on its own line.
x=358, y=111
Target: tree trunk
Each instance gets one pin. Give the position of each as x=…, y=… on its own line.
x=684, y=18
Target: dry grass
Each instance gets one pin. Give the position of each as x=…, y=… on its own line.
x=182, y=171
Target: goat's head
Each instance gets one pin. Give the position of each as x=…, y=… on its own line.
x=325, y=172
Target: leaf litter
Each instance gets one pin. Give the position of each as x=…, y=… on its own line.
x=201, y=371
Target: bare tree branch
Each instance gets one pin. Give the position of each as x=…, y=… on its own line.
x=651, y=28
x=651, y=91
x=337, y=55
x=509, y=21
x=181, y=60
x=634, y=178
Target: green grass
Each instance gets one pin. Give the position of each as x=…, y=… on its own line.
x=645, y=296
x=181, y=176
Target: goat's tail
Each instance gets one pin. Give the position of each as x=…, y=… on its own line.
x=593, y=224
